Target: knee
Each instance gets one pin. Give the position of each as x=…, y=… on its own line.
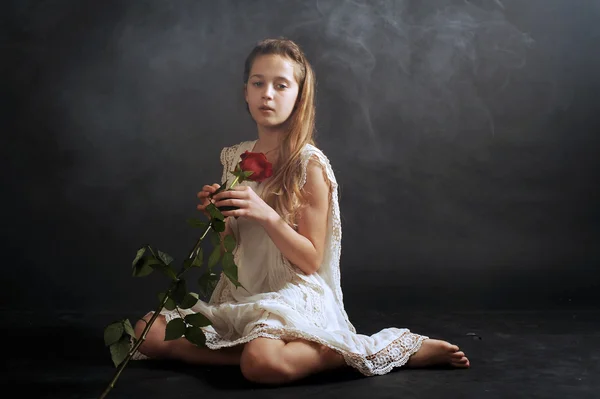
x=154, y=344
x=264, y=368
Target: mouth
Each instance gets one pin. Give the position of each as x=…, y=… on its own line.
x=265, y=108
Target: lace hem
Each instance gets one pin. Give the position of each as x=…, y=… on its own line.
x=395, y=354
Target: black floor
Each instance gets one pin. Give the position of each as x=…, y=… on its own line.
x=525, y=354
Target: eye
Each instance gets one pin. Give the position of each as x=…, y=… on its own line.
x=256, y=84
x=282, y=86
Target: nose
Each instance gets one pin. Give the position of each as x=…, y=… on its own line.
x=268, y=92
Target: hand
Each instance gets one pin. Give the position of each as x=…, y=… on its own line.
x=205, y=201
x=250, y=205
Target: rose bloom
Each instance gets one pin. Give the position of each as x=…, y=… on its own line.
x=256, y=162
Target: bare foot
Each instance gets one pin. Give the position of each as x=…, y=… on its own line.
x=434, y=352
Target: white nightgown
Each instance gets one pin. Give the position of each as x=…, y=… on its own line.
x=280, y=301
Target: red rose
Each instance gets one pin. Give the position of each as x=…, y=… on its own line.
x=256, y=162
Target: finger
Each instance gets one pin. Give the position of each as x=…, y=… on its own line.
x=235, y=213
x=228, y=194
x=203, y=205
x=231, y=202
x=210, y=189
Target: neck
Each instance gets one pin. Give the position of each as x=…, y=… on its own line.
x=268, y=138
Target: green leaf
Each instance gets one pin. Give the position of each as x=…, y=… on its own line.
x=248, y=173
x=215, y=238
x=214, y=257
x=230, y=269
x=142, y=269
x=236, y=172
x=165, y=269
x=199, y=258
x=128, y=328
x=197, y=320
x=218, y=225
x=179, y=291
x=113, y=332
x=166, y=258
x=189, y=300
x=151, y=261
x=138, y=256
x=197, y=223
x=187, y=263
x=170, y=304
x=196, y=336
x=214, y=212
x=119, y=350
x=207, y=282
x=229, y=242
x=175, y=329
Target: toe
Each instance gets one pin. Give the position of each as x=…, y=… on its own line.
x=445, y=345
x=458, y=355
x=464, y=362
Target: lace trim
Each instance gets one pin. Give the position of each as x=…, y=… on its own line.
x=227, y=157
x=396, y=354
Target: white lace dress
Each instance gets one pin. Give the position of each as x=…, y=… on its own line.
x=280, y=301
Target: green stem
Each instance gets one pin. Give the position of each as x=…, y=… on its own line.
x=158, y=310
x=193, y=251
x=233, y=183
x=197, y=245
x=112, y=383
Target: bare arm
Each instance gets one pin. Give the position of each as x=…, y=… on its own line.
x=305, y=247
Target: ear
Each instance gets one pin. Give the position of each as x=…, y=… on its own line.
x=246, y=92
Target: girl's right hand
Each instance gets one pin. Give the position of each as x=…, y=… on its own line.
x=204, y=200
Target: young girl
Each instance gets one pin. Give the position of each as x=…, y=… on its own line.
x=289, y=320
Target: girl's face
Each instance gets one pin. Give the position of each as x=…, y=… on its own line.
x=271, y=90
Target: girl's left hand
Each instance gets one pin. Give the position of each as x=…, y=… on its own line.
x=250, y=205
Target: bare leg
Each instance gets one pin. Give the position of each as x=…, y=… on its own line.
x=434, y=352
x=306, y=357
x=156, y=347
x=271, y=361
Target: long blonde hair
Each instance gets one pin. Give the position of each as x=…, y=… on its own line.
x=282, y=191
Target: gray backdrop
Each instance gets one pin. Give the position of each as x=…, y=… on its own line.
x=464, y=136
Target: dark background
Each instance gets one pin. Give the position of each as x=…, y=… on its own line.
x=464, y=136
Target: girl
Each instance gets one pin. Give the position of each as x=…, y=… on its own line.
x=289, y=321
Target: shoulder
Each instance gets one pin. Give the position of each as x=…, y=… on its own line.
x=227, y=153
x=310, y=150
x=316, y=166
